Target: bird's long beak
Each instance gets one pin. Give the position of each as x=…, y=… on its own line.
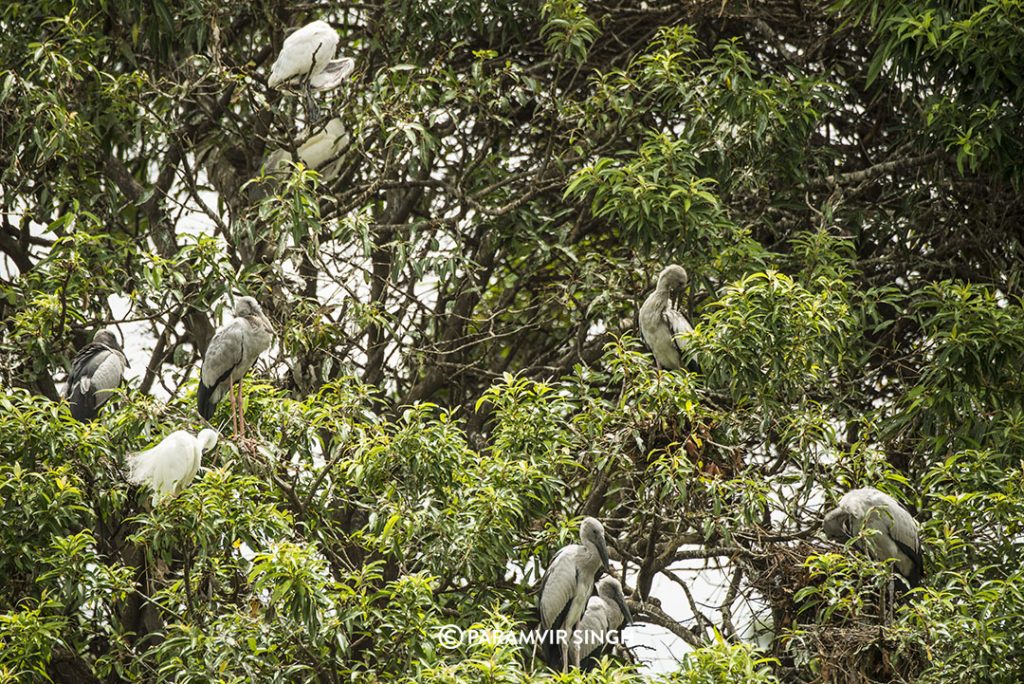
x=266, y=320
x=621, y=600
x=602, y=551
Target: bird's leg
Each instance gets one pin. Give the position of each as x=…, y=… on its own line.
x=234, y=417
x=884, y=601
x=241, y=409
x=312, y=111
x=575, y=651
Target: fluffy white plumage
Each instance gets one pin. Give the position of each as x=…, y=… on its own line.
x=309, y=54
x=317, y=152
x=171, y=465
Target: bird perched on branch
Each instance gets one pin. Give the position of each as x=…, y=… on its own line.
x=316, y=151
x=565, y=589
x=891, y=531
x=96, y=372
x=229, y=356
x=171, y=465
x=307, y=57
x=661, y=322
x=605, y=613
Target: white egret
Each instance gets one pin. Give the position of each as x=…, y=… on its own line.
x=307, y=57
x=315, y=152
x=324, y=145
x=171, y=465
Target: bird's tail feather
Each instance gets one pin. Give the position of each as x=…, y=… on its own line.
x=550, y=649
x=206, y=402
x=140, y=467
x=81, y=405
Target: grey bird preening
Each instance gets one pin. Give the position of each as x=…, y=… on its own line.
x=893, y=532
x=231, y=353
x=565, y=589
x=661, y=321
x=96, y=372
x=605, y=613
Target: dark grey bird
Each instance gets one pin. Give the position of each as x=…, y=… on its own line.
x=229, y=356
x=565, y=589
x=605, y=613
x=96, y=372
x=892, y=531
x=661, y=321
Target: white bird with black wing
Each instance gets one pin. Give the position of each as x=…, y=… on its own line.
x=96, y=372
x=565, y=589
x=892, y=533
x=171, y=465
x=605, y=613
x=308, y=54
x=661, y=322
x=307, y=58
x=229, y=356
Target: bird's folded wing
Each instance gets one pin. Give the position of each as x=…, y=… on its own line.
x=223, y=354
x=677, y=323
x=107, y=375
x=557, y=589
x=86, y=361
x=904, y=532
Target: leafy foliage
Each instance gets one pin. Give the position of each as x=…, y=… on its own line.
x=457, y=378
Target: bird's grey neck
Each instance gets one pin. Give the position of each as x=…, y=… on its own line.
x=614, y=611
x=593, y=559
x=667, y=291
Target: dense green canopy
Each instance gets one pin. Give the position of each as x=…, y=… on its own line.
x=457, y=376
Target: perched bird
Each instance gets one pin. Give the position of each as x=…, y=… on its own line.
x=170, y=466
x=324, y=145
x=307, y=56
x=231, y=353
x=318, y=149
x=661, y=321
x=565, y=588
x=96, y=372
x=605, y=613
x=893, y=532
